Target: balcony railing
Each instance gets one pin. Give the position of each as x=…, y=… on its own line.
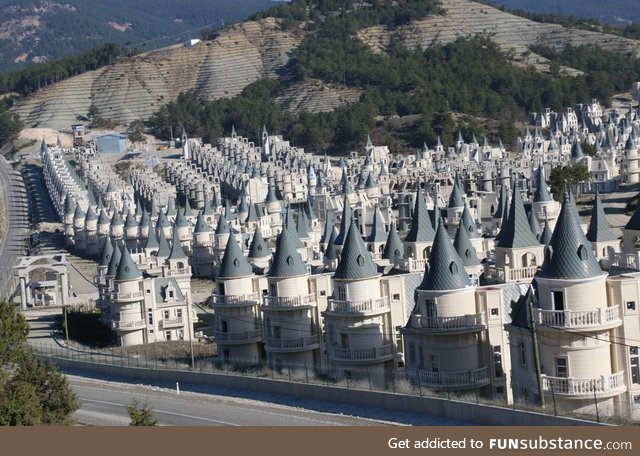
x=602, y=316
x=444, y=324
x=625, y=260
x=239, y=337
x=602, y=386
x=128, y=325
x=176, y=272
x=290, y=302
x=452, y=380
x=233, y=300
x=292, y=344
x=361, y=355
x=122, y=296
x=410, y=265
x=507, y=274
x=171, y=322
x=364, y=306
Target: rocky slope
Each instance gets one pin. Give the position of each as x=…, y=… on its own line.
x=251, y=50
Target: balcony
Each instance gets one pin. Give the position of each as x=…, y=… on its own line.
x=585, y=388
x=100, y=281
x=367, y=306
x=171, y=322
x=295, y=344
x=452, y=380
x=410, y=265
x=238, y=338
x=250, y=299
x=126, y=296
x=361, y=355
x=456, y=324
x=287, y=303
x=600, y=318
x=177, y=272
x=128, y=325
x=625, y=260
x=508, y=274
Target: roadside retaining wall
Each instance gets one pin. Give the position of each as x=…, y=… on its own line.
x=477, y=413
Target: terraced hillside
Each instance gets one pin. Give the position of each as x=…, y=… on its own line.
x=239, y=56
x=137, y=87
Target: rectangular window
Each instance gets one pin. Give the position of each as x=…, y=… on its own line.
x=344, y=338
x=396, y=296
x=494, y=311
x=635, y=370
x=557, y=298
x=179, y=313
x=631, y=305
x=562, y=367
x=412, y=353
x=497, y=360
x=323, y=292
x=277, y=334
x=274, y=289
x=434, y=362
x=421, y=357
x=523, y=354
x=165, y=314
x=342, y=293
x=167, y=335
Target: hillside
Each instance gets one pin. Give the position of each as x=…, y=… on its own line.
x=34, y=31
x=245, y=53
x=615, y=12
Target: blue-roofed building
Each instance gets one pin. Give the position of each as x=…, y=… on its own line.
x=111, y=143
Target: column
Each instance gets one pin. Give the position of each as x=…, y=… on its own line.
x=64, y=288
x=23, y=292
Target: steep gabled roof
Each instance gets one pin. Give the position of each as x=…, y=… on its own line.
x=599, y=229
x=393, y=248
x=234, y=264
x=127, y=269
x=569, y=255
x=355, y=261
x=446, y=269
x=258, y=247
x=421, y=227
x=516, y=232
x=287, y=262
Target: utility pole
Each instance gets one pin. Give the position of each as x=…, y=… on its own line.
x=536, y=353
x=193, y=363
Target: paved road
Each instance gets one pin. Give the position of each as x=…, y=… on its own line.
x=104, y=403
x=16, y=222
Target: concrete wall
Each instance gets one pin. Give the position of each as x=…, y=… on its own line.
x=481, y=414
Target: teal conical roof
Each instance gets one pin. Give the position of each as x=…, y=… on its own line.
x=223, y=227
x=127, y=269
x=152, y=238
x=534, y=225
x=464, y=248
x=516, y=232
x=303, y=225
x=393, y=248
x=344, y=223
x=234, y=264
x=541, y=194
x=107, y=252
x=181, y=220
x=355, y=261
x=545, y=237
x=177, y=253
x=259, y=247
x=569, y=254
x=421, y=226
x=378, y=233
x=202, y=226
x=330, y=252
x=599, y=229
x=469, y=223
x=115, y=260
x=455, y=200
x=634, y=221
x=329, y=227
x=163, y=250
x=286, y=259
x=91, y=215
x=446, y=269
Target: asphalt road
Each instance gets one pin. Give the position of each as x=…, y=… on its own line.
x=104, y=403
x=16, y=222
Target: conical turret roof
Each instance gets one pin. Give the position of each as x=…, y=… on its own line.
x=330, y=252
x=446, y=269
x=91, y=215
x=223, y=226
x=152, y=238
x=234, y=264
x=469, y=223
x=127, y=269
x=599, y=229
x=634, y=221
x=202, y=226
x=569, y=255
x=393, y=248
x=534, y=225
x=378, y=233
x=465, y=249
x=286, y=259
x=177, y=253
x=107, y=252
x=355, y=261
x=115, y=260
x=545, y=237
x=516, y=232
x=421, y=227
x=259, y=247
x=541, y=194
x=455, y=200
x=344, y=223
x=163, y=250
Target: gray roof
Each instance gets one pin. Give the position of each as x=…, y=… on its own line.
x=330, y=252
x=303, y=225
x=163, y=251
x=201, y=225
x=289, y=221
x=115, y=260
x=286, y=259
x=542, y=192
x=188, y=210
x=252, y=215
x=161, y=285
x=344, y=223
x=455, y=200
x=223, y=227
x=234, y=264
x=116, y=219
x=171, y=207
x=329, y=227
x=469, y=223
x=308, y=207
x=534, y=225
x=78, y=213
x=162, y=221
x=181, y=220
x=177, y=253
x=465, y=249
x=634, y=221
x=258, y=247
x=91, y=215
x=569, y=255
x=355, y=261
x=152, y=238
x=69, y=205
x=545, y=237
x=502, y=203
x=131, y=221
x=378, y=233
x=393, y=248
x=516, y=232
x=576, y=150
x=599, y=229
x=127, y=269
x=107, y=251
x=421, y=226
x=446, y=269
